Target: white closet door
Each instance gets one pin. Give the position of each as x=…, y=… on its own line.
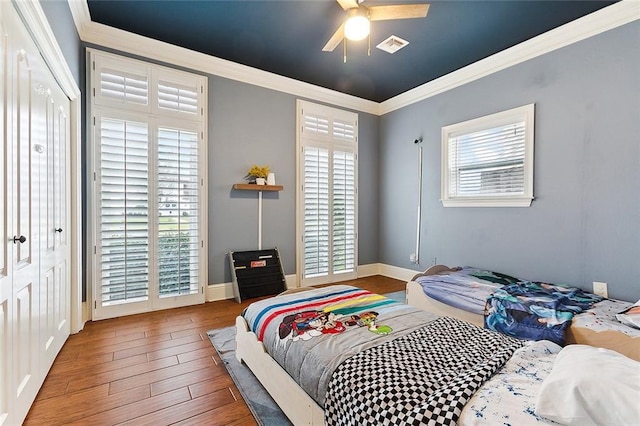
x=51, y=150
x=34, y=288
x=24, y=258
x=6, y=288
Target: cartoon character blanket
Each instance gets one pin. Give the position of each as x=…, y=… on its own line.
x=535, y=310
x=329, y=339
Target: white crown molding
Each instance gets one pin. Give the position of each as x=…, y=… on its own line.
x=124, y=41
x=80, y=14
x=38, y=25
x=605, y=19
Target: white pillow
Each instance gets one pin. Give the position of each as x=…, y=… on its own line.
x=591, y=386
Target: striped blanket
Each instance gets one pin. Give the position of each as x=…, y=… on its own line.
x=310, y=333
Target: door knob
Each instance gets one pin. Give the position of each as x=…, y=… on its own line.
x=20, y=239
x=59, y=230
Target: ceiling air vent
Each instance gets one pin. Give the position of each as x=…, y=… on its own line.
x=392, y=44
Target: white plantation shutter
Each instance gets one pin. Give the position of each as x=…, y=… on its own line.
x=489, y=161
x=150, y=203
x=178, y=233
x=328, y=199
x=316, y=212
x=316, y=124
x=124, y=87
x=175, y=97
x=124, y=211
x=343, y=214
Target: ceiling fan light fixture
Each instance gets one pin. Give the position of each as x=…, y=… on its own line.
x=356, y=27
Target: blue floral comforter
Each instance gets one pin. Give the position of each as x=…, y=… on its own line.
x=535, y=310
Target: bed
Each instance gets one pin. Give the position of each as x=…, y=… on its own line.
x=342, y=355
x=596, y=326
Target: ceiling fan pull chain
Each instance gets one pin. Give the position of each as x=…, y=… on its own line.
x=345, y=49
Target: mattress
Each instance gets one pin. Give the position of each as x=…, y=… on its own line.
x=312, y=360
x=596, y=326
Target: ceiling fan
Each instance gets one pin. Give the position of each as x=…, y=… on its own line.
x=357, y=24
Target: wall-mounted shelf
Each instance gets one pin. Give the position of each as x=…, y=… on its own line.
x=254, y=187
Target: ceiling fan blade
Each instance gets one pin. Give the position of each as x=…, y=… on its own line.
x=400, y=11
x=335, y=40
x=348, y=4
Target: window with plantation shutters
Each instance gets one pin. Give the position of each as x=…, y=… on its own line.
x=327, y=202
x=178, y=234
x=488, y=161
x=124, y=211
x=149, y=207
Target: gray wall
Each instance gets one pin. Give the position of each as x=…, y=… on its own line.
x=247, y=125
x=252, y=125
x=59, y=16
x=584, y=224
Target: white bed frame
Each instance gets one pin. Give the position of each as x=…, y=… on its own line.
x=296, y=404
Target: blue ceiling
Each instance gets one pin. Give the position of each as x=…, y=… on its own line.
x=286, y=37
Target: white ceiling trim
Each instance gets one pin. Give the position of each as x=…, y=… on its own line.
x=41, y=31
x=590, y=25
x=102, y=35
x=610, y=17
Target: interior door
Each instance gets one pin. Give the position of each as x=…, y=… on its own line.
x=23, y=235
x=6, y=288
x=51, y=152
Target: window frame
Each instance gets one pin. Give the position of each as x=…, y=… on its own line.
x=155, y=117
x=333, y=140
x=524, y=113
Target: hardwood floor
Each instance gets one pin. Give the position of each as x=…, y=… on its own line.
x=156, y=368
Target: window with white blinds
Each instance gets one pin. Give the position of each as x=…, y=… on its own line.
x=178, y=236
x=327, y=203
x=488, y=161
x=149, y=205
x=124, y=211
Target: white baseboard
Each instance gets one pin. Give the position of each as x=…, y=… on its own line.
x=396, y=272
x=225, y=290
x=368, y=270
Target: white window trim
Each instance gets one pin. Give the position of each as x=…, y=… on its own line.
x=155, y=116
x=325, y=142
x=524, y=113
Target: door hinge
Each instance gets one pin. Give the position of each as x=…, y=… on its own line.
x=95, y=250
x=202, y=290
x=95, y=176
x=202, y=243
x=95, y=304
x=94, y=120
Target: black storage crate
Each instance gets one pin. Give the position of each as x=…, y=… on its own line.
x=256, y=273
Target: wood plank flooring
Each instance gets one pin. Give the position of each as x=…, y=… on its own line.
x=156, y=368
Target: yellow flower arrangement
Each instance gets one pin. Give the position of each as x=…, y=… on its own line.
x=257, y=172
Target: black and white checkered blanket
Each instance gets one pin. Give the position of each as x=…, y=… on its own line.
x=423, y=378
